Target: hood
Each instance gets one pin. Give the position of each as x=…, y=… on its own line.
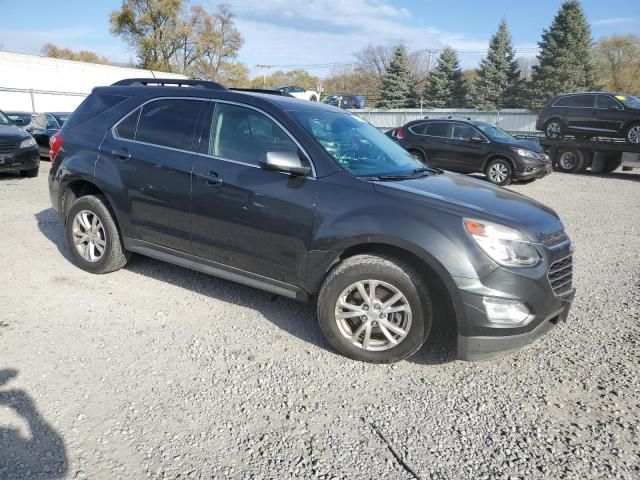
x=475, y=198
x=12, y=132
x=533, y=145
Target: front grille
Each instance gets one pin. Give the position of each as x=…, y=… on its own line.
x=7, y=147
x=555, y=238
x=561, y=276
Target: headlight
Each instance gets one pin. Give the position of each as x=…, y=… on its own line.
x=502, y=244
x=525, y=153
x=29, y=142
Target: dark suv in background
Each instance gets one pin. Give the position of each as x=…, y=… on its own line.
x=592, y=114
x=18, y=149
x=466, y=146
x=310, y=202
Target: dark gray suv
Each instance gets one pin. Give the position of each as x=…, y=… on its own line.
x=310, y=202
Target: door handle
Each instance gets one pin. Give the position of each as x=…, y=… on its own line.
x=123, y=154
x=211, y=178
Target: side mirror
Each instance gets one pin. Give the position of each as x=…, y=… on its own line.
x=613, y=107
x=284, y=161
x=476, y=140
x=19, y=122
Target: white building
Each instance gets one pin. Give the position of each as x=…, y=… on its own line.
x=42, y=84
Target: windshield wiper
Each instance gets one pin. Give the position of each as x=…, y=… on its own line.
x=415, y=173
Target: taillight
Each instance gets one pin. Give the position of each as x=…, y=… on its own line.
x=400, y=133
x=55, y=144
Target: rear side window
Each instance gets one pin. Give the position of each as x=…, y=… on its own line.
x=437, y=129
x=169, y=123
x=92, y=106
x=418, y=129
x=127, y=127
x=578, y=101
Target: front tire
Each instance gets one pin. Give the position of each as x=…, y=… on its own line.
x=93, y=236
x=633, y=134
x=499, y=172
x=374, y=309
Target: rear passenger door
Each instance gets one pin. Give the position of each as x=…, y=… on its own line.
x=580, y=112
x=433, y=138
x=256, y=220
x=467, y=148
x=152, y=152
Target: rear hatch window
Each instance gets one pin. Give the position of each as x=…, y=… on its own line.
x=92, y=106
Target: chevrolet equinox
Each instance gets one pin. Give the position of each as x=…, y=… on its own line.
x=310, y=202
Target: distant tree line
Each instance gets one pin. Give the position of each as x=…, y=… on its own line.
x=167, y=36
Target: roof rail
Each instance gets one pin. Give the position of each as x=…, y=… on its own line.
x=262, y=90
x=167, y=82
x=451, y=117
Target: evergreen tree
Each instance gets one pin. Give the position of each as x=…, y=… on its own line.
x=396, y=90
x=446, y=87
x=564, y=61
x=498, y=84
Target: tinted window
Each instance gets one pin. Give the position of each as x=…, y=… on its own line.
x=437, y=129
x=52, y=122
x=579, y=101
x=418, y=129
x=4, y=120
x=244, y=135
x=562, y=102
x=169, y=123
x=127, y=127
x=463, y=132
x=605, y=101
x=93, y=105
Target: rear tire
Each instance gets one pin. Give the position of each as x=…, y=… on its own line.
x=553, y=129
x=570, y=160
x=30, y=173
x=418, y=155
x=409, y=323
x=90, y=226
x=611, y=164
x=499, y=172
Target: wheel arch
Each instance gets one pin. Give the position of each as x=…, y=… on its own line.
x=499, y=156
x=447, y=303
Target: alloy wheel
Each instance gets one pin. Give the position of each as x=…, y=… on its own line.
x=89, y=236
x=373, y=315
x=553, y=130
x=634, y=134
x=498, y=172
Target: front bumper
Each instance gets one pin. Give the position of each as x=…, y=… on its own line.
x=26, y=159
x=477, y=348
x=479, y=338
x=535, y=172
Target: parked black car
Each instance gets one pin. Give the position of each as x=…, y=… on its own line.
x=343, y=100
x=592, y=114
x=43, y=126
x=18, y=150
x=467, y=146
x=21, y=119
x=310, y=202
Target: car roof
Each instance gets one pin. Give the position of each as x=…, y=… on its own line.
x=287, y=103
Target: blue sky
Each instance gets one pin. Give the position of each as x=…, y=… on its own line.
x=311, y=32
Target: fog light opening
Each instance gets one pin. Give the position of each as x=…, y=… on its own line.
x=506, y=312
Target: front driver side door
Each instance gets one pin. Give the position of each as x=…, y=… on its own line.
x=243, y=216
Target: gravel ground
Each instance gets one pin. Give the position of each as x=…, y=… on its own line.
x=156, y=371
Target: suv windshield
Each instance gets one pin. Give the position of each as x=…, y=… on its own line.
x=494, y=133
x=4, y=120
x=629, y=101
x=356, y=145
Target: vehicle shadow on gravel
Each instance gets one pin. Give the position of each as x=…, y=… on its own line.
x=295, y=318
x=38, y=454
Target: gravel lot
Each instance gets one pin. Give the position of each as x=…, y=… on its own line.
x=156, y=371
